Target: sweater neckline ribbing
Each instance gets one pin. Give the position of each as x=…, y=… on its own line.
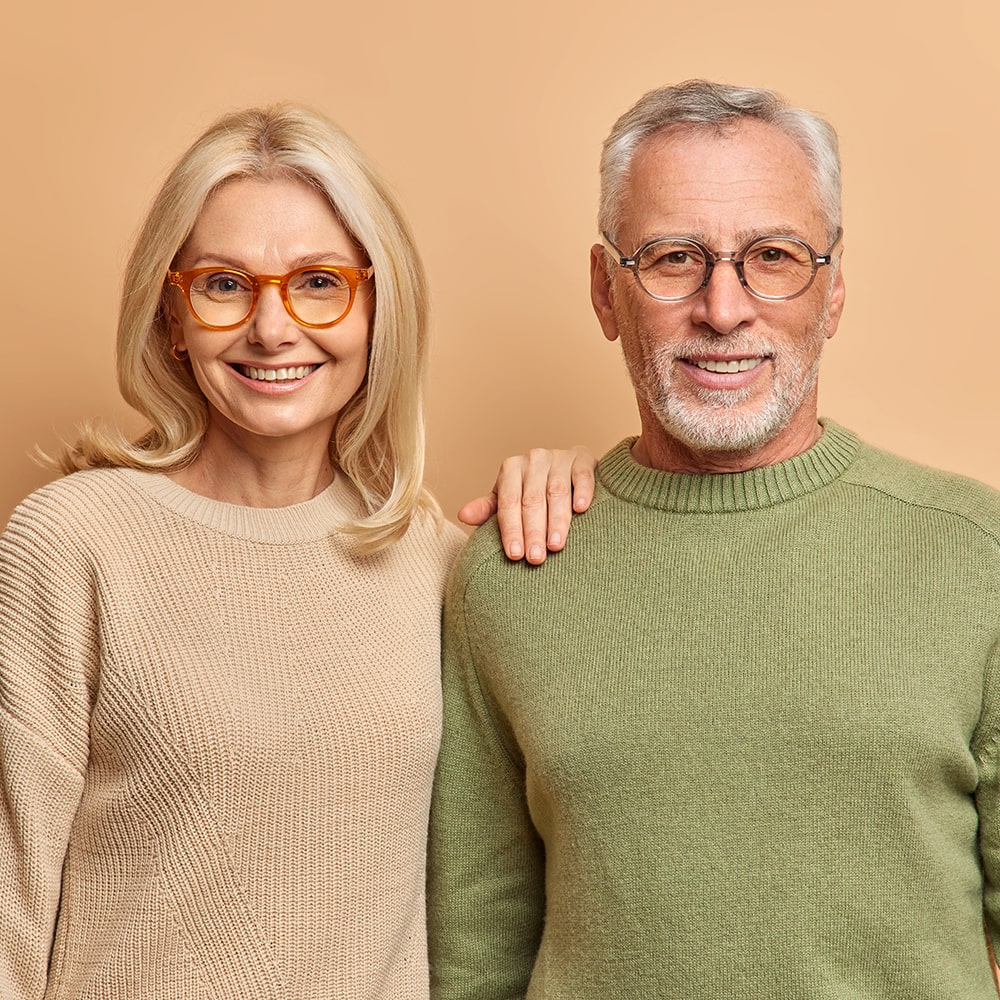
x=721, y=493
x=307, y=521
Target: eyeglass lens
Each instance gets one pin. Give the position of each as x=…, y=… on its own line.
x=676, y=268
x=225, y=298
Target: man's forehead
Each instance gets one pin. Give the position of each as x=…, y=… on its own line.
x=687, y=139
x=745, y=179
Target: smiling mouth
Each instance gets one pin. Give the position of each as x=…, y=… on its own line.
x=727, y=367
x=290, y=374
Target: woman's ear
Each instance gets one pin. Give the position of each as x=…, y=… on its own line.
x=178, y=347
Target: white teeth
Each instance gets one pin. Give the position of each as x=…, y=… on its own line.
x=277, y=374
x=743, y=365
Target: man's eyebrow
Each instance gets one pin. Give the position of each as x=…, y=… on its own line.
x=745, y=236
x=742, y=237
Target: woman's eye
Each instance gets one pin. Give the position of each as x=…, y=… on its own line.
x=225, y=284
x=318, y=282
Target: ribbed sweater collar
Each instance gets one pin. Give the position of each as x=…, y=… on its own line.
x=729, y=492
x=316, y=518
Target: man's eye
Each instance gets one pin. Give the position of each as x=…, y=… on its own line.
x=671, y=258
x=771, y=255
x=778, y=254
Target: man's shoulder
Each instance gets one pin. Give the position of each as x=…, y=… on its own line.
x=483, y=560
x=482, y=547
x=909, y=482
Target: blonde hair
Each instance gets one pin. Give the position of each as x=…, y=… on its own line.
x=378, y=441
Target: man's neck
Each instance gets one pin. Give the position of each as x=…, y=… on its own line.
x=664, y=452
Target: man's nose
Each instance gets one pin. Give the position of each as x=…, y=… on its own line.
x=724, y=304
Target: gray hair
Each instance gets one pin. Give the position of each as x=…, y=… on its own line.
x=700, y=104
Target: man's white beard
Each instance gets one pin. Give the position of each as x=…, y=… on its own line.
x=714, y=419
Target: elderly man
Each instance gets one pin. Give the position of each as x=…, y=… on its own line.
x=740, y=740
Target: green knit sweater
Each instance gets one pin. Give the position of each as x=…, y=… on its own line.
x=738, y=741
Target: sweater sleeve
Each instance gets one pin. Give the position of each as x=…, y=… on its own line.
x=986, y=747
x=486, y=867
x=47, y=652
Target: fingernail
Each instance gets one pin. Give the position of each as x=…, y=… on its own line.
x=535, y=552
x=554, y=539
x=516, y=550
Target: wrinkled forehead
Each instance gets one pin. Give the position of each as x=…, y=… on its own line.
x=268, y=224
x=725, y=184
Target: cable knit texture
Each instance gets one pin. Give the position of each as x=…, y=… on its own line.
x=738, y=740
x=218, y=728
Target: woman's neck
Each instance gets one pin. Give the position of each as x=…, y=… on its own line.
x=276, y=473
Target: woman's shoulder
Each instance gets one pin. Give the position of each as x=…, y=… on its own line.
x=432, y=539
x=71, y=496
x=81, y=519
x=73, y=502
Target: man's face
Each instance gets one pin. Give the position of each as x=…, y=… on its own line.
x=724, y=381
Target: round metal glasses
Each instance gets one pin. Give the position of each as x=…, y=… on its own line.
x=776, y=268
x=223, y=298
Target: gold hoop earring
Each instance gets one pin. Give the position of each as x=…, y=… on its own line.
x=178, y=353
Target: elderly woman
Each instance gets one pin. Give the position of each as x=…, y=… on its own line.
x=219, y=678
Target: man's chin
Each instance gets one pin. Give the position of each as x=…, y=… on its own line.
x=728, y=432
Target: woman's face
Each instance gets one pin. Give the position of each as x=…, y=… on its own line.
x=271, y=381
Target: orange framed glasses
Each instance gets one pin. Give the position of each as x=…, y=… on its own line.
x=223, y=298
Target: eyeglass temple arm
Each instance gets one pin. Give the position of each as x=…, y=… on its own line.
x=827, y=258
x=622, y=259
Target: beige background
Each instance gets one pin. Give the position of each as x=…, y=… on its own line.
x=487, y=121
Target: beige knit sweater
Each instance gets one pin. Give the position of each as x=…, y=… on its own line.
x=218, y=728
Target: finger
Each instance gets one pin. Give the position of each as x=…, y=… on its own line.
x=570, y=489
x=478, y=511
x=521, y=505
x=544, y=475
x=582, y=476
x=558, y=500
